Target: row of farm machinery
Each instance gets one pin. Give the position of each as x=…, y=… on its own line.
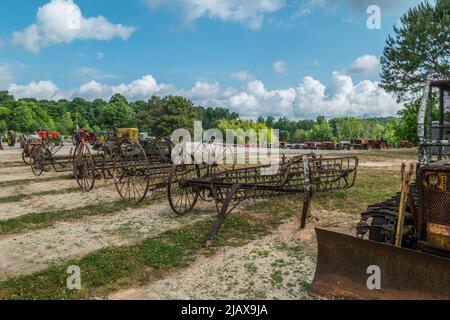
x=351, y=145
x=154, y=168
x=406, y=238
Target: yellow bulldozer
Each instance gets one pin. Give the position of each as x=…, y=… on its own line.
x=402, y=246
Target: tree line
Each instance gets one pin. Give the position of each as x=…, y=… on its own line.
x=160, y=116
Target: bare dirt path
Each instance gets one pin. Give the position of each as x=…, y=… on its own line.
x=390, y=164
x=278, y=266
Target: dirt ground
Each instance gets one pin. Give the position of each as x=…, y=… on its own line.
x=278, y=266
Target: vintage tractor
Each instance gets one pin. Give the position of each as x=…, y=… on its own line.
x=132, y=134
x=402, y=248
x=84, y=135
x=11, y=138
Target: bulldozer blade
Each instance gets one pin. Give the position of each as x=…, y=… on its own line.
x=347, y=268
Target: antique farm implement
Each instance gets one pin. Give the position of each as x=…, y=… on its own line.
x=406, y=237
x=137, y=168
x=32, y=145
x=142, y=169
x=303, y=175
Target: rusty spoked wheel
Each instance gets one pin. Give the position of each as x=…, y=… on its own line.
x=182, y=196
x=217, y=156
x=84, y=168
x=38, y=160
x=28, y=154
x=130, y=172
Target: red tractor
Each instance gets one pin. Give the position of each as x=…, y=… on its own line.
x=84, y=135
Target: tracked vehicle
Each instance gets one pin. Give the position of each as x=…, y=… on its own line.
x=403, y=242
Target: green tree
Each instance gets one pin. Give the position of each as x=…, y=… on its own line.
x=242, y=127
x=322, y=131
x=346, y=129
x=418, y=51
x=164, y=115
x=406, y=128
x=118, y=114
x=270, y=122
x=212, y=116
x=22, y=118
x=299, y=136
x=65, y=124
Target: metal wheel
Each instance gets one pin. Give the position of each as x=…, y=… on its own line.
x=84, y=168
x=11, y=138
x=38, y=161
x=182, y=197
x=217, y=156
x=27, y=154
x=130, y=172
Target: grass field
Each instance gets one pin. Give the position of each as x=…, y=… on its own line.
x=126, y=251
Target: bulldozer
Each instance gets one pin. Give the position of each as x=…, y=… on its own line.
x=401, y=250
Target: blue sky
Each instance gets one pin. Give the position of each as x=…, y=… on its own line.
x=258, y=57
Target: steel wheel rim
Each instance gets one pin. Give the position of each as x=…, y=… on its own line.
x=182, y=199
x=130, y=176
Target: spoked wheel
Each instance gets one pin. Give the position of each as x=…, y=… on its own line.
x=27, y=155
x=217, y=156
x=182, y=197
x=84, y=167
x=130, y=172
x=38, y=161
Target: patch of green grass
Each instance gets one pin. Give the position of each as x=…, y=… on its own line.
x=20, y=197
x=22, y=182
x=110, y=269
x=371, y=187
x=113, y=268
x=276, y=279
x=9, y=164
x=35, y=221
x=306, y=286
x=251, y=268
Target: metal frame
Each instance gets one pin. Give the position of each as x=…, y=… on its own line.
x=304, y=175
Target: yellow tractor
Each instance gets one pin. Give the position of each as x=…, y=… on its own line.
x=11, y=138
x=132, y=134
x=402, y=246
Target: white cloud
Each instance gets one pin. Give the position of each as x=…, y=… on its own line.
x=242, y=75
x=93, y=90
x=279, y=67
x=316, y=62
x=345, y=99
x=6, y=75
x=307, y=100
x=42, y=90
x=142, y=88
x=61, y=21
x=365, y=64
x=249, y=12
x=92, y=73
